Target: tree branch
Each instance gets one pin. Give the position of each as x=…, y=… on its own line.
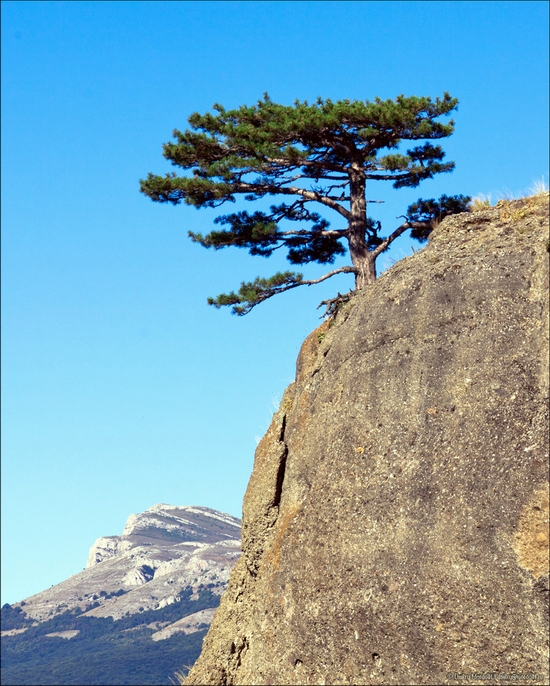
x=244, y=187
x=341, y=270
x=333, y=304
x=312, y=195
x=387, y=177
x=400, y=229
x=305, y=163
x=309, y=282
x=333, y=233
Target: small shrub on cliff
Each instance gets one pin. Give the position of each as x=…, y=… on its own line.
x=480, y=202
x=312, y=155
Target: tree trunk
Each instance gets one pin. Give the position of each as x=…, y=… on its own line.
x=366, y=272
x=363, y=261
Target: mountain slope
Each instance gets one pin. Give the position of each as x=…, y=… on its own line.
x=395, y=526
x=136, y=614
x=160, y=551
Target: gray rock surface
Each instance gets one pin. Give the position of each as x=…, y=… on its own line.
x=160, y=552
x=395, y=526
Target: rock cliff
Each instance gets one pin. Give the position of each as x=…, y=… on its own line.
x=395, y=527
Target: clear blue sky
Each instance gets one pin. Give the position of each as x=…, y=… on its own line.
x=120, y=387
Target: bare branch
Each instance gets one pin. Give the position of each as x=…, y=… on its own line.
x=340, y=270
x=330, y=178
x=334, y=233
x=244, y=187
x=324, y=200
x=336, y=185
x=333, y=304
x=400, y=229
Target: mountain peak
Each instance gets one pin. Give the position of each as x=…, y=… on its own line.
x=161, y=551
x=179, y=524
x=160, y=579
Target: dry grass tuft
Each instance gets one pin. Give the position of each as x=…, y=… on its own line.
x=481, y=202
x=485, y=201
x=539, y=187
x=180, y=677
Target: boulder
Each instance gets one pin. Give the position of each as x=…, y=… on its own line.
x=395, y=527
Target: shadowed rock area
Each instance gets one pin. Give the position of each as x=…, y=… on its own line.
x=395, y=526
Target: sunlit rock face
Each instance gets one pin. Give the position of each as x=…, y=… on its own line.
x=395, y=526
x=160, y=552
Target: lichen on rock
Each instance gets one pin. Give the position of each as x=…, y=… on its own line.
x=531, y=544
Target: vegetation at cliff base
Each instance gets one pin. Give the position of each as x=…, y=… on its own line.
x=312, y=156
x=105, y=651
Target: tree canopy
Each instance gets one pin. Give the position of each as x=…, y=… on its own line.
x=313, y=157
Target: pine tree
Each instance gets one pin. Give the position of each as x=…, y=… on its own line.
x=320, y=154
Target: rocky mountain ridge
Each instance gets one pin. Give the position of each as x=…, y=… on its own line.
x=136, y=614
x=160, y=552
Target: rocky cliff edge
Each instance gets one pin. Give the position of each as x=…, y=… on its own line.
x=395, y=525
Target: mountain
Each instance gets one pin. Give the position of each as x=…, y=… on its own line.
x=395, y=526
x=138, y=611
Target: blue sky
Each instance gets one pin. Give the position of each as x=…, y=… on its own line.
x=121, y=388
